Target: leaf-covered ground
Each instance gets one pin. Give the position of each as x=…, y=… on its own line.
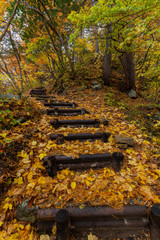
x=136, y=183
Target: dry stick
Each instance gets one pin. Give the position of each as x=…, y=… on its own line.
x=4, y=166
x=10, y=20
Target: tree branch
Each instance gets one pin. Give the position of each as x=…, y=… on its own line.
x=10, y=20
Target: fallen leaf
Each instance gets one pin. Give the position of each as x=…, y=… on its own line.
x=73, y=185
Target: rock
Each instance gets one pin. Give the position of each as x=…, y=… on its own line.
x=132, y=94
x=26, y=214
x=9, y=96
x=97, y=86
x=92, y=94
x=94, y=82
x=120, y=139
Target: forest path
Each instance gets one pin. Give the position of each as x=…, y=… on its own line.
x=136, y=183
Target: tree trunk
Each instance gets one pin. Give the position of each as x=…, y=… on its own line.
x=17, y=55
x=107, y=58
x=129, y=70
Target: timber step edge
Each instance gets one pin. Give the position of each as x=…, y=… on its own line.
x=60, y=138
x=78, y=123
x=56, y=163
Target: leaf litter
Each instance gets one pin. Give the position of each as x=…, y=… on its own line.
x=136, y=183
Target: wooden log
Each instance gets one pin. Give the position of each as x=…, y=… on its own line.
x=80, y=136
x=84, y=166
x=55, y=163
x=127, y=224
x=62, y=224
x=94, y=213
x=38, y=92
x=110, y=224
x=117, y=158
x=132, y=218
x=76, y=123
x=155, y=223
x=68, y=112
x=60, y=104
x=52, y=101
x=43, y=97
x=44, y=227
x=39, y=88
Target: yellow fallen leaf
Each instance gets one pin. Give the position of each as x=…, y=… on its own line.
x=38, y=165
x=157, y=171
x=3, y=135
x=31, y=185
x=44, y=237
x=73, y=185
x=92, y=237
x=42, y=144
x=1, y=223
x=31, y=236
x=129, y=151
x=23, y=154
x=7, y=206
x=34, y=143
x=146, y=142
x=21, y=226
x=18, y=180
x=54, y=230
x=42, y=155
x=42, y=180
x=26, y=160
x=89, y=178
x=60, y=176
x=87, y=182
x=132, y=162
x=146, y=191
x=29, y=176
x=54, y=145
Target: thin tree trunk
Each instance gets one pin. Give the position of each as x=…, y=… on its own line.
x=17, y=55
x=107, y=58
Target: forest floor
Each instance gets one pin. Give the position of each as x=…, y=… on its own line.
x=136, y=183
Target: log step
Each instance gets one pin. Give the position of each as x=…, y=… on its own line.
x=60, y=104
x=38, y=92
x=103, y=221
x=80, y=136
x=55, y=163
x=44, y=97
x=66, y=112
x=77, y=123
